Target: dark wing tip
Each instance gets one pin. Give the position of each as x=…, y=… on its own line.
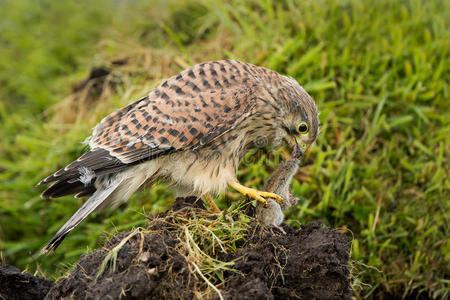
x=66, y=181
x=46, y=194
x=45, y=181
x=68, y=187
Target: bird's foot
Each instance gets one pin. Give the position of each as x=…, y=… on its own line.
x=255, y=194
x=211, y=203
x=292, y=200
x=277, y=227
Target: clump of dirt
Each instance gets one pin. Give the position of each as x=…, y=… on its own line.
x=95, y=82
x=101, y=84
x=15, y=284
x=113, y=75
x=306, y=263
x=166, y=261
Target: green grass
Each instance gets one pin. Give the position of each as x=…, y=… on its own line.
x=378, y=70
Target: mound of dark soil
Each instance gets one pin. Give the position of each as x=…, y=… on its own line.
x=15, y=284
x=309, y=263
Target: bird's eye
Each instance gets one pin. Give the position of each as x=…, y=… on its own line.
x=302, y=128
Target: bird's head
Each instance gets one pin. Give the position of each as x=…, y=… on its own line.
x=300, y=123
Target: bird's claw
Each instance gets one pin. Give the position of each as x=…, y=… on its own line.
x=270, y=195
x=262, y=197
x=259, y=196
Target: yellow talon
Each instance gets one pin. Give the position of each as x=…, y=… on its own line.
x=255, y=194
x=271, y=195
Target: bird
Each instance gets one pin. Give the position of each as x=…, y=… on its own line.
x=278, y=183
x=191, y=131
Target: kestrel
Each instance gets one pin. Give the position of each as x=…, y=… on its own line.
x=192, y=131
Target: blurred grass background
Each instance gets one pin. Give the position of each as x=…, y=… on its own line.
x=378, y=70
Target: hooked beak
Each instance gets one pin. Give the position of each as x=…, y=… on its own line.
x=298, y=149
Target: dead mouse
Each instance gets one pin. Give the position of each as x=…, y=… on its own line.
x=278, y=183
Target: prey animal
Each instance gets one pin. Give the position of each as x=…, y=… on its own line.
x=278, y=183
x=191, y=131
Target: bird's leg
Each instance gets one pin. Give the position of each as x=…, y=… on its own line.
x=211, y=203
x=255, y=194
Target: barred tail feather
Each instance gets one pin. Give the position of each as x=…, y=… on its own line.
x=89, y=206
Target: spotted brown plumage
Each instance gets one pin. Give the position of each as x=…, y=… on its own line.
x=191, y=131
